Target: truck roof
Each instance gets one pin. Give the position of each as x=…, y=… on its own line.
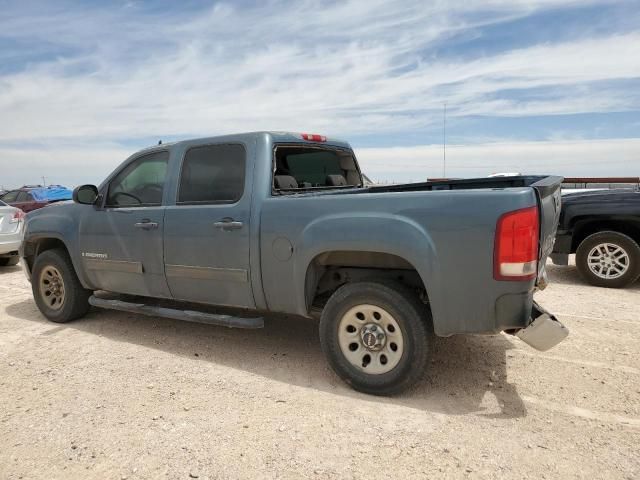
x=276, y=137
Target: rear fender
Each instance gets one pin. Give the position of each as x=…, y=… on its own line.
x=370, y=233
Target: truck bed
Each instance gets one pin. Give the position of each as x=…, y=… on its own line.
x=543, y=183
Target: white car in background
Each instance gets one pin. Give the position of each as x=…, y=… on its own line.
x=11, y=230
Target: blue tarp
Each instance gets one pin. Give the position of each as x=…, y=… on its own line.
x=51, y=194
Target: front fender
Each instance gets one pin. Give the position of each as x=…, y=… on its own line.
x=57, y=222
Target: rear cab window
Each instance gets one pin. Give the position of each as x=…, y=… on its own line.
x=302, y=167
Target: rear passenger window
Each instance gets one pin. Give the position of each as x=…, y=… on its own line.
x=212, y=174
x=22, y=197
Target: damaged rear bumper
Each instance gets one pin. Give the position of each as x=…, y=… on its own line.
x=544, y=331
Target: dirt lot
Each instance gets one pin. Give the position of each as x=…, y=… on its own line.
x=120, y=396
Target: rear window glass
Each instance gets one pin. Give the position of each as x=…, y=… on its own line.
x=24, y=197
x=313, y=167
x=309, y=167
x=212, y=174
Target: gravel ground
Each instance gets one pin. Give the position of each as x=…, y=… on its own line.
x=117, y=395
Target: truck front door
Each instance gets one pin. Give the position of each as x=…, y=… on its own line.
x=121, y=242
x=206, y=234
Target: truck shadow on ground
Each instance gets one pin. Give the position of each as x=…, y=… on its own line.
x=466, y=374
x=11, y=269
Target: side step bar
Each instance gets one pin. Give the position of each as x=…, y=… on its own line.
x=188, y=315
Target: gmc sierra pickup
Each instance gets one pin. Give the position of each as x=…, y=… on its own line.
x=283, y=223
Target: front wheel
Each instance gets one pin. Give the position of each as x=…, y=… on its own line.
x=608, y=259
x=57, y=291
x=376, y=336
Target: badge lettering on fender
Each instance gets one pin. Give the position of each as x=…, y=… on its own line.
x=103, y=256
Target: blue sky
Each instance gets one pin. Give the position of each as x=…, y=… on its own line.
x=542, y=86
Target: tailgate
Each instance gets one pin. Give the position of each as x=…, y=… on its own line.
x=548, y=193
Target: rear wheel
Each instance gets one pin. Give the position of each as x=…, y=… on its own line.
x=376, y=336
x=56, y=289
x=609, y=259
x=9, y=261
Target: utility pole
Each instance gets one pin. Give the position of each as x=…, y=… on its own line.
x=44, y=184
x=444, y=141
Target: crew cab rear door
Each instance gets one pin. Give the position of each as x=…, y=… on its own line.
x=207, y=235
x=549, y=202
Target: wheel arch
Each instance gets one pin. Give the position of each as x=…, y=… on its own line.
x=36, y=245
x=586, y=226
x=350, y=243
x=329, y=270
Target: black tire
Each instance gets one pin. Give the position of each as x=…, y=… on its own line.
x=413, y=319
x=9, y=261
x=76, y=297
x=620, y=240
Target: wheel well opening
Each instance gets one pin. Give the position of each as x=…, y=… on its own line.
x=34, y=248
x=585, y=228
x=330, y=270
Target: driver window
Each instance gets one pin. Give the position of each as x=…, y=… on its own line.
x=140, y=183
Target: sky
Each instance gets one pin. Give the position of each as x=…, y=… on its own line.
x=530, y=86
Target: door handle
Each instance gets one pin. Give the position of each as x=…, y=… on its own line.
x=146, y=225
x=228, y=224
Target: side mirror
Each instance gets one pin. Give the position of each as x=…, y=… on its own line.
x=85, y=194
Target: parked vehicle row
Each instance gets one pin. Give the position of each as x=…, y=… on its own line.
x=32, y=197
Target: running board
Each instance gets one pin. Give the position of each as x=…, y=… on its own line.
x=188, y=315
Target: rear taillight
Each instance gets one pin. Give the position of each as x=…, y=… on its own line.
x=17, y=216
x=312, y=137
x=516, y=245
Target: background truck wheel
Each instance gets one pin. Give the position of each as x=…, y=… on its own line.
x=9, y=261
x=56, y=289
x=608, y=259
x=376, y=336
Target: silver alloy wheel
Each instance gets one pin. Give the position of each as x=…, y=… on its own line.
x=608, y=261
x=52, y=287
x=370, y=339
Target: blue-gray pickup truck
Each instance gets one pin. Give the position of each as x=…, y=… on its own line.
x=226, y=230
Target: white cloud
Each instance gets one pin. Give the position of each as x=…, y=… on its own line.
x=345, y=68
x=95, y=78
x=76, y=164
x=64, y=164
x=568, y=158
